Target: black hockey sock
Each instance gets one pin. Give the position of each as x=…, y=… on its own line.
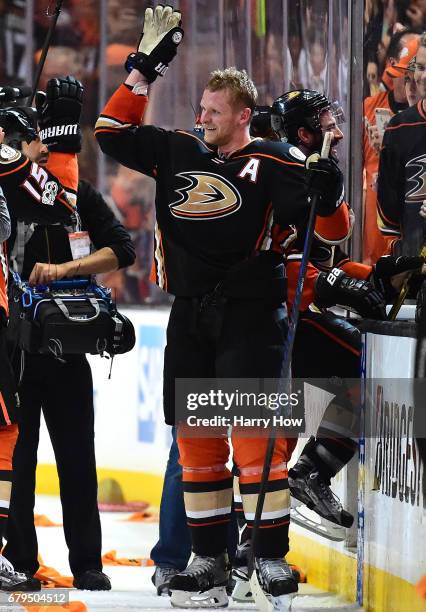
x=335, y=453
x=328, y=455
x=209, y=540
x=272, y=543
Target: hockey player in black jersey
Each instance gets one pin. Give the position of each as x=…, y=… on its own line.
x=34, y=195
x=327, y=347
x=401, y=181
x=215, y=204
x=302, y=117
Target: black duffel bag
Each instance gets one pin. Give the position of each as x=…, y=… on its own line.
x=69, y=316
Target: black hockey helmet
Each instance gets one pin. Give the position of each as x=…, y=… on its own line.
x=300, y=108
x=19, y=123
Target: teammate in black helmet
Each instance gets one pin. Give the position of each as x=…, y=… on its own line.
x=301, y=117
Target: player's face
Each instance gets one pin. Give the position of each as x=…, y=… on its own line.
x=420, y=72
x=219, y=118
x=328, y=124
x=410, y=88
x=36, y=151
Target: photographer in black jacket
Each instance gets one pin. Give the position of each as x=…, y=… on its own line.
x=62, y=389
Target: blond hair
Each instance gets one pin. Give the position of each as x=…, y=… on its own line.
x=241, y=88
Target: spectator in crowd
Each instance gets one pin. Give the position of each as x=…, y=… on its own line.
x=85, y=21
x=316, y=68
x=13, y=43
x=403, y=48
x=343, y=52
x=372, y=77
x=276, y=70
x=416, y=14
x=60, y=60
x=123, y=22
x=401, y=185
x=298, y=58
x=411, y=90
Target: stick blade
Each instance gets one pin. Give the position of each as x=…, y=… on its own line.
x=260, y=598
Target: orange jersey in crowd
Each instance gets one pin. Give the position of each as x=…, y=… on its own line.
x=374, y=244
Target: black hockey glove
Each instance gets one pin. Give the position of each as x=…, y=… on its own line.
x=17, y=124
x=325, y=179
x=389, y=266
x=59, y=111
x=336, y=288
x=158, y=44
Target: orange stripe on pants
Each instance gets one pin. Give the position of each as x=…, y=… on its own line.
x=8, y=437
x=4, y=410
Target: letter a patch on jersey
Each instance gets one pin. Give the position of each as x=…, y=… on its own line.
x=250, y=169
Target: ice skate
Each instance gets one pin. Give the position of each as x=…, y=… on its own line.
x=278, y=585
x=307, y=485
x=202, y=584
x=11, y=581
x=161, y=579
x=242, y=590
x=301, y=515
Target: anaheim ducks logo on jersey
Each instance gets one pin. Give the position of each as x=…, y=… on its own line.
x=8, y=155
x=206, y=196
x=418, y=191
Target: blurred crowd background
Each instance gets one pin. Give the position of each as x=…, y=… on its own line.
x=283, y=44
x=382, y=19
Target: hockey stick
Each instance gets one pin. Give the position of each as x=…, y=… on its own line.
x=263, y=603
x=46, y=45
x=396, y=306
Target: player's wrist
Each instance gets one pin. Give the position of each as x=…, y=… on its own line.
x=136, y=80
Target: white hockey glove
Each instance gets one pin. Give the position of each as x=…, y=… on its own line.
x=158, y=44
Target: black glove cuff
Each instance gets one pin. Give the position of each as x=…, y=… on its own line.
x=62, y=137
x=140, y=61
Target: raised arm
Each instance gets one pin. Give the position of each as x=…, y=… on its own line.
x=118, y=128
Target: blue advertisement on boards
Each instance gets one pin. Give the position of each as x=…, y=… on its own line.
x=152, y=340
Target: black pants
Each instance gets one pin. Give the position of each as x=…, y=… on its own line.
x=223, y=338
x=8, y=404
x=228, y=338
x=65, y=394
x=328, y=347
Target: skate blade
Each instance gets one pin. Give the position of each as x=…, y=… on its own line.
x=242, y=591
x=213, y=598
x=304, y=517
x=266, y=602
x=263, y=603
x=282, y=603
